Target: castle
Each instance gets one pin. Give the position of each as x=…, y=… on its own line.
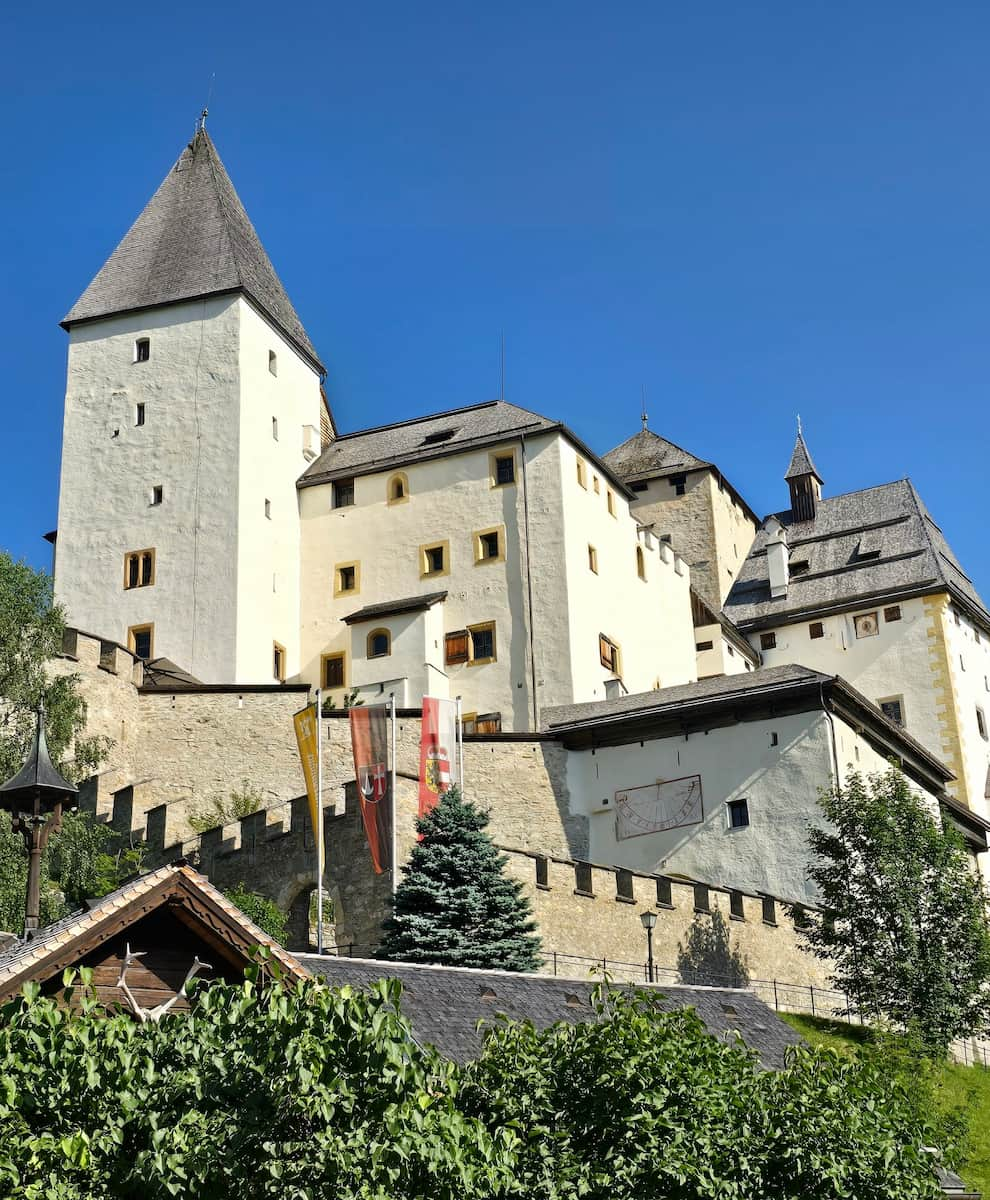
x=693, y=673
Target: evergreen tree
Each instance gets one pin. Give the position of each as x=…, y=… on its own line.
x=455, y=905
x=906, y=923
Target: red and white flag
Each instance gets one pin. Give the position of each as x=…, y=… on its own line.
x=369, y=741
x=438, y=762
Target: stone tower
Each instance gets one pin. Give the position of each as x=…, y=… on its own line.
x=193, y=403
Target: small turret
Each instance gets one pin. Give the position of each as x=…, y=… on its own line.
x=804, y=481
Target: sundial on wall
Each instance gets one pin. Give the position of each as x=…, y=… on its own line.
x=666, y=804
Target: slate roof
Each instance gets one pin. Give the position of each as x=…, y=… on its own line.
x=646, y=455
x=445, y=1004
x=193, y=239
x=25, y=960
x=161, y=672
x=38, y=771
x=394, y=608
x=862, y=548
x=801, y=463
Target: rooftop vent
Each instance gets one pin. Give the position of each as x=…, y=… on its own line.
x=573, y=1001
x=487, y=993
x=442, y=435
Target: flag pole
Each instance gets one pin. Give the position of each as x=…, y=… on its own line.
x=395, y=809
x=460, y=746
x=319, y=820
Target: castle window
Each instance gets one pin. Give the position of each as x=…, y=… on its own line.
x=157, y=494
x=379, y=643
x=543, y=873
x=816, y=630
x=593, y=559
x=139, y=414
x=334, y=674
x=700, y=647
x=457, y=647
x=769, y=910
x=488, y=545
x=488, y=723
x=624, y=886
x=893, y=709
x=278, y=662
x=347, y=578
x=639, y=487
x=482, y=643
x=583, y=885
x=610, y=501
x=434, y=559
x=343, y=493
x=702, y=901
x=501, y=469
x=893, y=613
x=398, y=489
x=736, y=909
x=665, y=897
x=268, y=509
x=142, y=350
x=609, y=654
x=141, y=640
x=275, y=428
x=595, y=485
x=582, y=477
x=768, y=641
x=738, y=813
x=139, y=569
x=799, y=566
x=273, y=362
x=679, y=484
x=981, y=723
x=435, y=439
x=640, y=562
x=774, y=739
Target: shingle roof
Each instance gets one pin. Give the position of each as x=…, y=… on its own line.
x=801, y=463
x=445, y=1004
x=394, y=608
x=842, y=573
x=646, y=455
x=434, y=436
x=193, y=239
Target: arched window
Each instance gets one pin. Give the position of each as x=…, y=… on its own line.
x=398, y=488
x=379, y=643
x=640, y=563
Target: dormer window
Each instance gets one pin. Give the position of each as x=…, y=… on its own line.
x=142, y=350
x=441, y=435
x=679, y=484
x=799, y=566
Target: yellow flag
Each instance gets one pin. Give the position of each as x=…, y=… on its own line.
x=307, y=726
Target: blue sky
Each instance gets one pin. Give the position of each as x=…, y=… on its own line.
x=751, y=210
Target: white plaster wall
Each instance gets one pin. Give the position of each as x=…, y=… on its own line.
x=268, y=549
x=723, y=658
x=188, y=445
x=969, y=663
x=780, y=783
x=894, y=663
x=650, y=620
x=416, y=660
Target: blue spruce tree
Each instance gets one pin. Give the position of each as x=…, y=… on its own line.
x=455, y=904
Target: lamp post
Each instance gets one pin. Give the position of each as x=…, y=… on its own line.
x=34, y=797
x=649, y=919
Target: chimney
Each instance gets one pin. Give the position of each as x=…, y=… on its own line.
x=777, y=559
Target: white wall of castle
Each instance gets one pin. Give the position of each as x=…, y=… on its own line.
x=780, y=781
x=449, y=500
x=720, y=657
x=969, y=663
x=206, y=440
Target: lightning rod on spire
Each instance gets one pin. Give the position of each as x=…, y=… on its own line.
x=644, y=416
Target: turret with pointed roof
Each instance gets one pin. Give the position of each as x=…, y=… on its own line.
x=192, y=240
x=804, y=481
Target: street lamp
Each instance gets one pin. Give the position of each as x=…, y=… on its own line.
x=649, y=919
x=34, y=800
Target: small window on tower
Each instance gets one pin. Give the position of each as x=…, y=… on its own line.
x=334, y=675
x=343, y=493
x=278, y=662
x=141, y=640
x=433, y=559
x=275, y=428
x=738, y=813
x=345, y=578
x=273, y=362
x=139, y=414
x=488, y=545
x=268, y=509
x=142, y=350
x=981, y=723
x=679, y=484
x=893, y=613
x=609, y=654
x=639, y=487
x=893, y=709
x=505, y=469
x=593, y=559
x=139, y=569
x=157, y=494
x=482, y=642
x=768, y=641
x=816, y=630
x=379, y=643
x=640, y=562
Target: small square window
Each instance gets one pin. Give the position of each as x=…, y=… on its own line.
x=593, y=559
x=273, y=362
x=893, y=709
x=433, y=559
x=139, y=414
x=488, y=545
x=738, y=814
x=347, y=578
x=981, y=723
x=157, y=494
x=774, y=739
x=278, y=662
x=505, y=469
x=482, y=642
x=700, y=647
x=343, y=493
x=268, y=509
x=333, y=670
x=142, y=350
x=768, y=641
x=816, y=630
x=893, y=613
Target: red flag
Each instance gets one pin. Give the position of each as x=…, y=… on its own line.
x=437, y=751
x=369, y=739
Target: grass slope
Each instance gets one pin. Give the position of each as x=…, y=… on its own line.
x=960, y=1087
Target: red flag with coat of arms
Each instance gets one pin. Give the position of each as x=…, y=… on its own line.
x=369, y=741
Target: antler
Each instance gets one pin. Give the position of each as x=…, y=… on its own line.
x=131, y=956
x=156, y=1013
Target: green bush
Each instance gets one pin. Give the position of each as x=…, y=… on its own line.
x=265, y=913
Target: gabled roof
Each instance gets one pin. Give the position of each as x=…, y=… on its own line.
x=175, y=886
x=801, y=463
x=192, y=240
x=861, y=548
x=646, y=455
x=394, y=608
x=445, y=1004
x=388, y=447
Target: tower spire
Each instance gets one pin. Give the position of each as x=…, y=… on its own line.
x=803, y=479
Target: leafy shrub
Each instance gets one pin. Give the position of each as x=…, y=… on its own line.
x=219, y=809
x=265, y=913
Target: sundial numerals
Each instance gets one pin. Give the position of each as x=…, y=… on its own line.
x=654, y=808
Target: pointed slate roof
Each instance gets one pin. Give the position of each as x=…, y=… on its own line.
x=38, y=773
x=646, y=455
x=801, y=463
x=193, y=239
